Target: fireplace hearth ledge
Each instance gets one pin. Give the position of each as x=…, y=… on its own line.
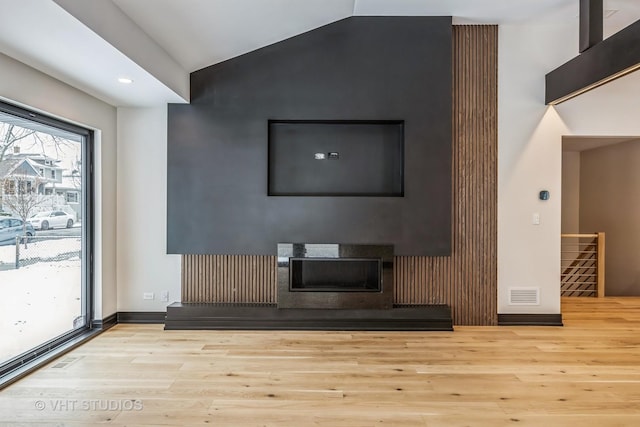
x=221, y=316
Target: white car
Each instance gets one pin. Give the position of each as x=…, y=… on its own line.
x=51, y=219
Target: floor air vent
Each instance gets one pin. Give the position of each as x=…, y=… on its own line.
x=524, y=296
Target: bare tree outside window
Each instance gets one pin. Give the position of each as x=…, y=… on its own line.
x=11, y=135
x=24, y=199
x=15, y=141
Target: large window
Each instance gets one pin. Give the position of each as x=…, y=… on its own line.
x=45, y=234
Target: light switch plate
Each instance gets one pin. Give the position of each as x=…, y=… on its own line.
x=535, y=219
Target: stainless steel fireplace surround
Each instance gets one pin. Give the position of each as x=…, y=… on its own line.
x=338, y=276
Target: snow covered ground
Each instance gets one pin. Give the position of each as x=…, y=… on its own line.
x=45, y=247
x=39, y=301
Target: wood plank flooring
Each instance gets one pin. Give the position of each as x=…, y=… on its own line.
x=586, y=373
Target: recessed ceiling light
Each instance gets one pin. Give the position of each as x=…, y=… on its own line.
x=125, y=80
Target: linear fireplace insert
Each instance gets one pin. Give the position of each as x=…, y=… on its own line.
x=335, y=276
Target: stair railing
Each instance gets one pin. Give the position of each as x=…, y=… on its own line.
x=582, y=262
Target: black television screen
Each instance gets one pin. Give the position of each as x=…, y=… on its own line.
x=336, y=158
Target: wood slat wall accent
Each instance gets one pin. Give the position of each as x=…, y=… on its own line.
x=467, y=280
x=229, y=278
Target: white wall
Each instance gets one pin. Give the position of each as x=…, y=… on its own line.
x=25, y=86
x=143, y=265
x=529, y=152
x=609, y=110
x=529, y=160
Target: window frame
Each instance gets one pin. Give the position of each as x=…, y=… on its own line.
x=14, y=368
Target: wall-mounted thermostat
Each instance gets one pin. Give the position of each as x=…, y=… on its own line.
x=544, y=195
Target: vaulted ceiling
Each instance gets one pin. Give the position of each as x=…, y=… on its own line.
x=157, y=43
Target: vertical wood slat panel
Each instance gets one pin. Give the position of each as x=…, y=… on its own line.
x=467, y=280
x=229, y=278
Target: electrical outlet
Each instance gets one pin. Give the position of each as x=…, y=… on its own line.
x=164, y=296
x=148, y=295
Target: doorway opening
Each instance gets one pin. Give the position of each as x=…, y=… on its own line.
x=601, y=194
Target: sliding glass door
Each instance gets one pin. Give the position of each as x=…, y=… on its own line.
x=45, y=234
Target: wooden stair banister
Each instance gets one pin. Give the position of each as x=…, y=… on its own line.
x=601, y=253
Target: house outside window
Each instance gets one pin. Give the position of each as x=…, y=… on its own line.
x=72, y=197
x=53, y=174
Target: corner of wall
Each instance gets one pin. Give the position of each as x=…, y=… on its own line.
x=530, y=160
x=143, y=266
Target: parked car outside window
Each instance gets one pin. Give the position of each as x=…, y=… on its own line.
x=10, y=228
x=51, y=219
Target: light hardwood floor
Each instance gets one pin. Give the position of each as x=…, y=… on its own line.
x=586, y=373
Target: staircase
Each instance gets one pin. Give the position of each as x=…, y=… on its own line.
x=582, y=262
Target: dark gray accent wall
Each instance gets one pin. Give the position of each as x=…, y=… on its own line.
x=360, y=68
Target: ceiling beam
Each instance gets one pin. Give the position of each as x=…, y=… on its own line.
x=613, y=57
x=591, y=23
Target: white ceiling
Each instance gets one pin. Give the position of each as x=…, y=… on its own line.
x=46, y=37
x=198, y=33
x=465, y=11
x=89, y=44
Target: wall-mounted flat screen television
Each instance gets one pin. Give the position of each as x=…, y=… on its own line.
x=336, y=158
